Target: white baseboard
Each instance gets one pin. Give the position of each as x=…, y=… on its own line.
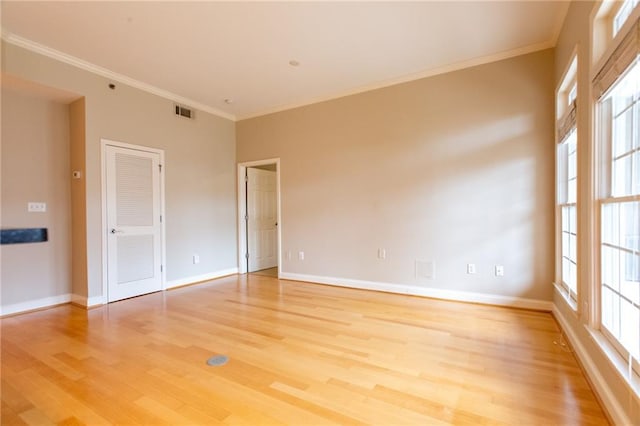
x=87, y=302
x=32, y=305
x=436, y=293
x=603, y=390
x=198, y=278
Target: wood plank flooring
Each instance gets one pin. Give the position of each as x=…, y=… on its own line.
x=270, y=272
x=299, y=354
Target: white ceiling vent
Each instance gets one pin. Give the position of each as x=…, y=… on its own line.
x=184, y=112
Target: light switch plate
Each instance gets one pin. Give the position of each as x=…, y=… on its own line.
x=36, y=207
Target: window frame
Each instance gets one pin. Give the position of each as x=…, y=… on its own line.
x=567, y=98
x=605, y=140
x=568, y=226
x=615, y=13
x=604, y=40
x=605, y=47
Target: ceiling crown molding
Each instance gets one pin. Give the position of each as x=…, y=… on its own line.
x=95, y=69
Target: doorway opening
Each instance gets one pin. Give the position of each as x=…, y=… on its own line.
x=259, y=221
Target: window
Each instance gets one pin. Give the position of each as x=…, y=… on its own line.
x=567, y=186
x=608, y=22
x=568, y=174
x=623, y=14
x=619, y=138
x=573, y=93
x=620, y=227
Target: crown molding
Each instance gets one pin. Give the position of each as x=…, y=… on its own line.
x=41, y=49
x=98, y=70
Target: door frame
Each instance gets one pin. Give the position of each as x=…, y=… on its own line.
x=103, y=235
x=242, y=211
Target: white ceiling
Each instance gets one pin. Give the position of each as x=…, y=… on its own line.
x=202, y=53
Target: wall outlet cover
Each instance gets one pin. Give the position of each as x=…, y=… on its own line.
x=36, y=207
x=471, y=268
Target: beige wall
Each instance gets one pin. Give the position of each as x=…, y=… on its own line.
x=77, y=140
x=576, y=33
x=455, y=168
x=35, y=167
x=200, y=165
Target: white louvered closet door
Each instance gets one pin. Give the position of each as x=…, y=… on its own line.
x=133, y=222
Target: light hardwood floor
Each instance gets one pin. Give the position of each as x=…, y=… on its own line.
x=299, y=354
x=271, y=272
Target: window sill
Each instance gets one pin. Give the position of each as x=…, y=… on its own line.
x=567, y=297
x=630, y=377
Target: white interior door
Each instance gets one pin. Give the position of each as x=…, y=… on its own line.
x=262, y=219
x=133, y=222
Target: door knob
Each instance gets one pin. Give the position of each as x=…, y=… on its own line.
x=115, y=231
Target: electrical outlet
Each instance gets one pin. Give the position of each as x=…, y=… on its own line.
x=300, y=255
x=499, y=270
x=382, y=253
x=36, y=207
x=196, y=259
x=471, y=268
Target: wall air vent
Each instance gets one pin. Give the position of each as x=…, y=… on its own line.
x=425, y=270
x=184, y=112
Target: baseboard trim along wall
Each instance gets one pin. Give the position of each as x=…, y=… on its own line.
x=90, y=302
x=436, y=293
x=601, y=387
x=198, y=278
x=32, y=305
x=87, y=302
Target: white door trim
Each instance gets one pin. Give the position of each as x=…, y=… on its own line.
x=242, y=211
x=103, y=234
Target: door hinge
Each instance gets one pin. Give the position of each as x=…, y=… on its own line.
x=160, y=218
x=246, y=217
x=160, y=168
x=161, y=268
x=246, y=255
x=246, y=178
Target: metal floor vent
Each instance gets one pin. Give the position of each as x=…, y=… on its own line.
x=217, y=360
